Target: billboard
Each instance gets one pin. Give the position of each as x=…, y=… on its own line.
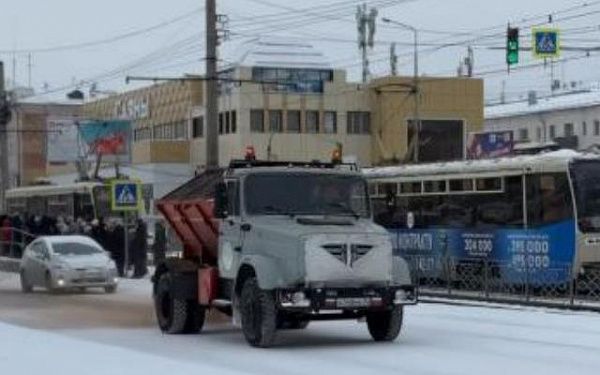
x=69, y=140
x=106, y=138
x=62, y=141
x=490, y=144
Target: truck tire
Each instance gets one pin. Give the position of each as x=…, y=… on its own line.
x=385, y=325
x=174, y=315
x=259, y=314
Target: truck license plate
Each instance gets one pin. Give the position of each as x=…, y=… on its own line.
x=352, y=302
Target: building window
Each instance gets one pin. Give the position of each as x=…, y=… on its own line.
x=293, y=122
x=538, y=134
x=596, y=127
x=180, y=130
x=330, y=122
x=358, y=123
x=142, y=134
x=312, y=121
x=523, y=135
x=552, y=131
x=198, y=127
x=584, y=128
x=227, y=123
x=233, y=122
x=257, y=121
x=569, y=131
x=221, y=127
x=275, y=121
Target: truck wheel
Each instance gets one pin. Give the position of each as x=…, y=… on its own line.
x=174, y=315
x=259, y=315
x=385, y=325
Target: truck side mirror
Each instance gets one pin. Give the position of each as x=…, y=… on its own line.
x=221, y=204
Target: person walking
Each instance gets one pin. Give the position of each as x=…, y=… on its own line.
x=140, y=250
x=160, y=244
x=6, y=236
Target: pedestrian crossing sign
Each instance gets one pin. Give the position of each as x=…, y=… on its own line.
x=546, y=43
x=125, y=195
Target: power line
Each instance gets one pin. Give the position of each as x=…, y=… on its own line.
x=109, y=40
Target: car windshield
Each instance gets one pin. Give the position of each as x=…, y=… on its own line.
x=75, y=248
x=586, y=182
x=306, y=194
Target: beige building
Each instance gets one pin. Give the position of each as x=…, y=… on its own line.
x=289, y=104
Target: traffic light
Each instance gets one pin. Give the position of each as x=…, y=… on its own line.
x=337, y=154
x=512, y=46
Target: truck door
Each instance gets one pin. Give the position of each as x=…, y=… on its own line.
x=231, y=238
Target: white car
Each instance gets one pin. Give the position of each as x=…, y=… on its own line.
x=67, y=262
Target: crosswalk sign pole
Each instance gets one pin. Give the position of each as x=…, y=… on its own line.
x=126, y=226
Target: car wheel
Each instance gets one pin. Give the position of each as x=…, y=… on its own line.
x=25, y=286
x=49, y=283
x=385, y=325
x=259, y=314
x=110, y=289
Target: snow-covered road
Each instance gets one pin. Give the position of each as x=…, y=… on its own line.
x=116, y=334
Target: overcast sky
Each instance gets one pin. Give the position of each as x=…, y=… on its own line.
x=168, y=37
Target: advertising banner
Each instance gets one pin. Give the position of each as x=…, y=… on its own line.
x=490, y=144
x=107, y=138
x=541, y=254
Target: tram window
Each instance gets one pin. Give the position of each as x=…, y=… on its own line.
x=435, y=186
x=387, y=189
x=489, y=184
x=548, y=199
x=501, y=209
x=461, y=185
x=410, y=187
x=372, y=189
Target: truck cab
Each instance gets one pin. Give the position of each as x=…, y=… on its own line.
x=296, y=242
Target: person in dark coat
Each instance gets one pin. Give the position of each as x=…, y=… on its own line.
x=139, y=250
x=5, y=235
x=160, y=243
x=116, y=246
x=99, y=232
x=19, y=241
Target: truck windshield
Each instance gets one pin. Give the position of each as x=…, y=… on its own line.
x=306, y=194
x=586, y=182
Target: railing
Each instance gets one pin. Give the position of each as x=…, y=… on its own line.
x=525, y=283
x=14, y=248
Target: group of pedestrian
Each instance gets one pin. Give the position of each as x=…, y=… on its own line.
x=17, y=231
x=111, y=235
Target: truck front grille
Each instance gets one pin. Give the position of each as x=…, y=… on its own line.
x=348, y=253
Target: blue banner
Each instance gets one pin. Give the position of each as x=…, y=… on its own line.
x=541, y=255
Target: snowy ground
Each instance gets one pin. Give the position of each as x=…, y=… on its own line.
x=113, y=334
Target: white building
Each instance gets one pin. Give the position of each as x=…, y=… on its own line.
x=571, y=119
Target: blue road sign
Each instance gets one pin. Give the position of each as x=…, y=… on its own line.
x=546, y=42
x=125, y=196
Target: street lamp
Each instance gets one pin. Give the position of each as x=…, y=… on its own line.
x=415, y=81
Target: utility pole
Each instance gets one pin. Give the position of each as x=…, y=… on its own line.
x=393, y=60
x=416, y=90
x=4, y=119
x=211, y=88
x=366, y=35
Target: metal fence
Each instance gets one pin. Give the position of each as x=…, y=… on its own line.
x=522, y=282
x=14, y=247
